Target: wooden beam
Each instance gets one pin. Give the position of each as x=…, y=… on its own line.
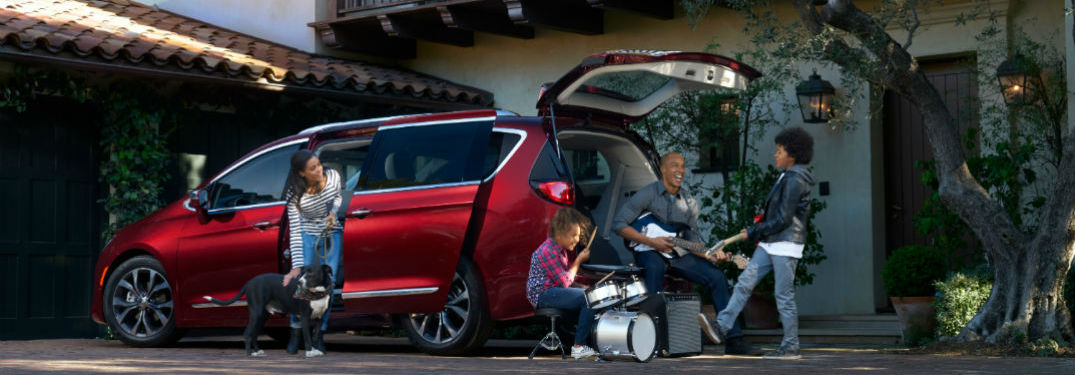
x=370, y=40
x=575, y=16
x=660, y=9
x=406, y=27
x=458, y=17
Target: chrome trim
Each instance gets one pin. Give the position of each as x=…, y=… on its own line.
x=237, y=208
x=186, y=203
x=207, y=305
x=522, y=138
x=423, y=187
x=437, y=122
x=391, y=293
x=504, y=112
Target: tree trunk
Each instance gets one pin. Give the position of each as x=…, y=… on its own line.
x=1029, y=270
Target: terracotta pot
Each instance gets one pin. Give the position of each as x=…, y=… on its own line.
x=760, y=312
x=917, y=315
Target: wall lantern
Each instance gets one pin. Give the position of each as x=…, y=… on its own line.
x=1019, y=79
x=815, y=99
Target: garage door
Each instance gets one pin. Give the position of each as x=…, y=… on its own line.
x=49, y=224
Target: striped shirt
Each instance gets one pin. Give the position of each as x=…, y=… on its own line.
x=310, y=219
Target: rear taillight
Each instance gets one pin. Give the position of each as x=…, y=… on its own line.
x=558, y=191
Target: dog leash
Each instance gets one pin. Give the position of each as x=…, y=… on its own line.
x=323, y=246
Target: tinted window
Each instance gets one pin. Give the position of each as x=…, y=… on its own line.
x=259, y=180
x=500, y=144
x=547, y=166
x=345, y=157
x=426, y=155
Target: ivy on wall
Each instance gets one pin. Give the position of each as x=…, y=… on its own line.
x=135, y=158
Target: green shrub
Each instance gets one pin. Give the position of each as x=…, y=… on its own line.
x=959, y=297
x=911, y=271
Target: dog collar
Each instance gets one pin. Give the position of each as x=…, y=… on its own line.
x=308, y=295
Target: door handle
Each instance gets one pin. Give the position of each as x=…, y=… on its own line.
x=267, y=224
x=360, y=213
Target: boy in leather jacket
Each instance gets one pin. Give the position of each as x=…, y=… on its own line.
x=780, y=234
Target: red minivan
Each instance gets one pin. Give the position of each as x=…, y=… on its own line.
x=444, y=212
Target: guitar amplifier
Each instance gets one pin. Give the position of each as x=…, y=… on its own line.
x=684, y=334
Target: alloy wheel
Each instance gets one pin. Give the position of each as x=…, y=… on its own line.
x=445, y=326
x=142, y=302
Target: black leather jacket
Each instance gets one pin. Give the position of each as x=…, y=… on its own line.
x=786, y=209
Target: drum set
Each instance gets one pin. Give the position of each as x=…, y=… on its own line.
x=619, y=333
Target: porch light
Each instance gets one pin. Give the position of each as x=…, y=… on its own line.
x=1019, y=79
x=815, y=99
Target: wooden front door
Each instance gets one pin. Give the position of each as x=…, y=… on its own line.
x=50, y=225
x=905, y=143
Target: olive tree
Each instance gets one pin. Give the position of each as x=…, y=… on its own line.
x=1030, y=266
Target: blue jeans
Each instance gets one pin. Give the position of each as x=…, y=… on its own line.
x=783, y=269
x=570, y=299
x=333, y=260
x=694, y=269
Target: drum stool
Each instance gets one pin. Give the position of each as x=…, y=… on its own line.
x=551, y=341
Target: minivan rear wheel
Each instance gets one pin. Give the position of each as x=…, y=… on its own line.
x=464, y=323
x=139, y=303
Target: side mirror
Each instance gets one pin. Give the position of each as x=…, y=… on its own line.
x=199, y=199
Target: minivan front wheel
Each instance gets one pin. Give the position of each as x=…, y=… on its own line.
x=139, y=304
x=464, y=323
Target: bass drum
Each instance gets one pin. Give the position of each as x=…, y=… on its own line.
x=625, y=334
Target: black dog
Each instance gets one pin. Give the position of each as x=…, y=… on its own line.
x=308, y=296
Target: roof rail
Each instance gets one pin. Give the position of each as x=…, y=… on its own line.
x=323, y=127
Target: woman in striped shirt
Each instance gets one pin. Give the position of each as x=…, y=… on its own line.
x=313, y=196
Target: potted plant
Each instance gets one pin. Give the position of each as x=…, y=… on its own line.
x=909, y=276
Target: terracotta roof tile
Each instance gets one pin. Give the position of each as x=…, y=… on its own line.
x=145, y=35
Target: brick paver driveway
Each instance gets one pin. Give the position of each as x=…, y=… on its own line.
x=354, y=355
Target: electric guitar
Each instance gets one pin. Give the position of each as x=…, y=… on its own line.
x=650, y=227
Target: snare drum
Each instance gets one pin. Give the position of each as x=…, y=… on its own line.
x=625, y=334
x=603, y=295
x=634, y=292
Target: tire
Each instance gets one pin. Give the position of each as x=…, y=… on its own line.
x=138, y=304
x=463, y=325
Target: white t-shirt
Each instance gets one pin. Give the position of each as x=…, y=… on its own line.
x=783, y=248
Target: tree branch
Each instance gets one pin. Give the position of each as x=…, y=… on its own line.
x=958, y=188
x=911, y=30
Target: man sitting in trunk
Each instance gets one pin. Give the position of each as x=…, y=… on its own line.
x=670, y=203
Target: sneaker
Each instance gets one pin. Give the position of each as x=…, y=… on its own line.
x=784, y=353
x=582, y=351
x=738, y=346
x=711, y=330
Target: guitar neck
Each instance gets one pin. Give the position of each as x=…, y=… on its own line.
x=694, y=247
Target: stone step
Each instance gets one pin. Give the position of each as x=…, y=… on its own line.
x=882, y=329
x=827, y=336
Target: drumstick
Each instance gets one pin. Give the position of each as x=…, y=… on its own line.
x=592, y=235
x=605, y=278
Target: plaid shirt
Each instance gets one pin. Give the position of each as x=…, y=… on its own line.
x=548, y=269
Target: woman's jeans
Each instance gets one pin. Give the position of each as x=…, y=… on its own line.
x=333, y=260
x=694, y=269
x=784, y=272
x=570, y=299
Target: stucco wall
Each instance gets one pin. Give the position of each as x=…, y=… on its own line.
x=280, y=21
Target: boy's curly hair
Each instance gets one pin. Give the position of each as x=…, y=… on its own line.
x=797, y=143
